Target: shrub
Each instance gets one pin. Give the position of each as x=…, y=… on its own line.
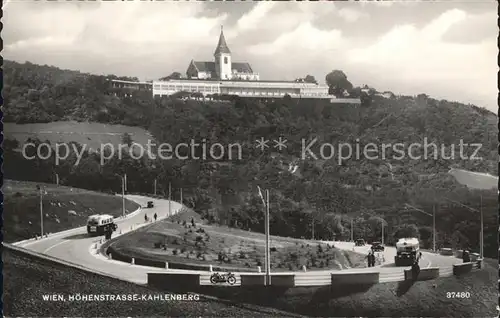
x=259, y=262
x=176, y=241
x=290, y=266
x=199, y=255
x=175, y=251
x=273, y=249
x=320, y=248
x=183, y=250
x=242, y=255
x=184, y=223
x=199, y=238
x=293, y=256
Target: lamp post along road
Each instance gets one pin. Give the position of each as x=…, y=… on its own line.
x=268, y=248
x=267, y=254
x=169, y=198
x=41, y=209
x=155, y=187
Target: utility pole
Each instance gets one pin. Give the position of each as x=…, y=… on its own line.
x=312, y=225
x=382, y=231
x=123, y=196
x=155, y=187
x=41, y=210
x=181, y=196
x=434, y=228
x=481, y=247
x=268, y=252
x=352, y=230
x=169, y=198
x=57, y=179
x=125, y=181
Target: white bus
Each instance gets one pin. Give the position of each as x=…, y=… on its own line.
x=407, y=250
x=99, y=224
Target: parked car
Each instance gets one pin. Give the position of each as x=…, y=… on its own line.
x=360, y=242
x=150, y=204
x=377, y=247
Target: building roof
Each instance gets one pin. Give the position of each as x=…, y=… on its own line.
x=241, y=67
x=222, y=46
x=204, y=66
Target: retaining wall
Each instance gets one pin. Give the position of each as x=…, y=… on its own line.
x=362, y=278
x=425, y=274
x=460, y=269
x=174, y=282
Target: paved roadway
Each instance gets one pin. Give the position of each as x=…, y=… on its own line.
x=77, y=247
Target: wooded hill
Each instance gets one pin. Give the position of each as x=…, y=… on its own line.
x=327, y=193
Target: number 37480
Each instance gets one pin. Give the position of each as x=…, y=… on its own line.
x=458, y=295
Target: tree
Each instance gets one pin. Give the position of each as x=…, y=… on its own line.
x=406, y=230
x=338, y=83
x=174, y=75
x=310, y=79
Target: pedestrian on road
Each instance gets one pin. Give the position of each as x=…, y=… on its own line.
x=369, y=257
x=373, y=259
x=415, y=270
x=466, y=256
x=145, y=217
x=155, y=216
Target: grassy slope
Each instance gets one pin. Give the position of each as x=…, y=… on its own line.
x=245, y=249
x=27, y=279
x=22, y=208
x=91, y=134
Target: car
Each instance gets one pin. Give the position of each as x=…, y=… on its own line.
x=377, y=247
x=360, y=242
x=150, y=204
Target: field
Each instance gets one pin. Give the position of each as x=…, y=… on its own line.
x=475, y=180
x=93, y=135
x=26, y=279
x=177, y=240
x=63, y=208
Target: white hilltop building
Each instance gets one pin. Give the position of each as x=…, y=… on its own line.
x=222, y=76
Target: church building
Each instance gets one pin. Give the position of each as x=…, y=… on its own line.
x=222, y=68
x=222, y=76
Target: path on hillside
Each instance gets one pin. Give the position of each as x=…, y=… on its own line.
x=77, y=247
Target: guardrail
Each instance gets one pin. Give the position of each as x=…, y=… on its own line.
x=464, y=268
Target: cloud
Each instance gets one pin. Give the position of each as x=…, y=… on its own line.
x=351, y=15
x=281, y=40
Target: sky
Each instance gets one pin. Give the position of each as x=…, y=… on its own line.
x=446, y=49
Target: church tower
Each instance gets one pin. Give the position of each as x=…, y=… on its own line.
x=222, y=58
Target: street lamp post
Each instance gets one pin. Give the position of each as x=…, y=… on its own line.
x=169, y=198
x=123, y=193
x=155, y=187
x=40, y=189
x=265, y=201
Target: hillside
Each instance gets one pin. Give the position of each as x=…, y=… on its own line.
x=64, y=208
x=306, y=193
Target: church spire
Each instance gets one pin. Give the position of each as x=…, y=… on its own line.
x=222, y=46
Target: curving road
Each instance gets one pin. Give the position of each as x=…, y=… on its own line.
x=75, y=246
